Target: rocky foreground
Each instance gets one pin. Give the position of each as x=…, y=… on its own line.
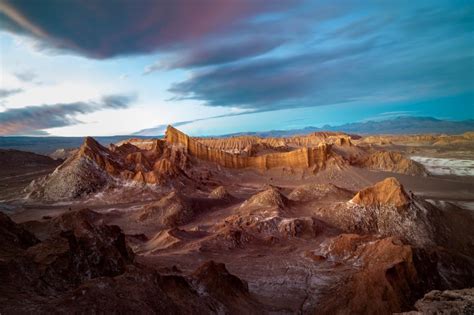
x=231, y=226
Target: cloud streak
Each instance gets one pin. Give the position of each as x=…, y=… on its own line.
x=31, y=120
x=4, y=93
x=217, y=54
x=26, y=76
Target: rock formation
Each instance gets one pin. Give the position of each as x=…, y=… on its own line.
x=386, y=209
x=390, y=276
x=88, y=267
x=385, y=281
x=269, y=198
x=94, y=167
x=225, y=287
x=388, y=192
x=13, y=237
x=239, y=144
x=306, y=157
x=392, y=162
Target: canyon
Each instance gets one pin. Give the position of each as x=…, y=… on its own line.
x=319, y=223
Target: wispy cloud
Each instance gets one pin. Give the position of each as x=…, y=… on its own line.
x=31, y=120
x=4, y=93
x=212, y=55
x=25, y=76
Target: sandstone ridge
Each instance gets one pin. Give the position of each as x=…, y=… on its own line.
x=315, y=157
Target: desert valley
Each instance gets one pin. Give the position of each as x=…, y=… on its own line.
x=318, y=223
x=236, y=157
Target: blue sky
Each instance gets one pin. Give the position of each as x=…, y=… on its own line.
x=76, y=67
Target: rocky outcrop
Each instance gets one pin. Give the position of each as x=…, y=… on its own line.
x=446, y=302
x=386, y=209
x=85, y=266
x=394, y=162
x=90, y=169
x=389, y=276
x=13, y=237
x=388, y=192
x=228, y=289
x=384, y=282
x=93, y=167
x=314, y=157
x=76, y=252
x=269, y=198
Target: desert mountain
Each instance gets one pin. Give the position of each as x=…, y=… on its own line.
x=180, y=159
x=385, y=208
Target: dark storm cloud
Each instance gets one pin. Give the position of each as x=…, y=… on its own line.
x=4, y=93
x=33, y=119
x=102, y=29
x=378, y=57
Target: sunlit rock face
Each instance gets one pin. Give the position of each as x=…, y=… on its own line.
x=299, y=158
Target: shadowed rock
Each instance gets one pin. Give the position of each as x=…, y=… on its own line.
x=446, y=302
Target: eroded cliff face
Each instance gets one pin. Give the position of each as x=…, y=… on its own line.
x=314, y=157
x=394, y=162
x=242, y=143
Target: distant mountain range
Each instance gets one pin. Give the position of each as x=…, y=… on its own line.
x=399, y=125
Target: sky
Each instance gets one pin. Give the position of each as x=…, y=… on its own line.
x=209, y=67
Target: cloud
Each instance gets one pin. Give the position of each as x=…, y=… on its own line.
x=25, y=76
x=103, y=29
x=32, y=120
x=218, y=54
x=373, y=58
x=269, y=55
x=4, y=93
x=117, y=101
